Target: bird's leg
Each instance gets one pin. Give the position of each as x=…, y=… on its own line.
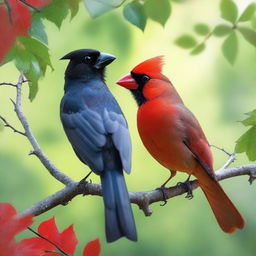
x=188, y=187
x=162, y=188
x=84, y=180
x=173, y=173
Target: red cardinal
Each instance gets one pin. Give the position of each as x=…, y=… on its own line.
x=173, y=136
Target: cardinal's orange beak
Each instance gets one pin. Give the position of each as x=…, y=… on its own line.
x=128, y=82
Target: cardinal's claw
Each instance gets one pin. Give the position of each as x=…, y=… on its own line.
x=162, y=189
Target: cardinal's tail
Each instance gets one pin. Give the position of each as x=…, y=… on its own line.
x=225, y=212
x=119, y=220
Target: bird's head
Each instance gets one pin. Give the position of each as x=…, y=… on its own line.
x=145, y=79
x=86, y=62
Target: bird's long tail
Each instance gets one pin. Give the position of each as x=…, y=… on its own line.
x=225, y=212
x=119, y=220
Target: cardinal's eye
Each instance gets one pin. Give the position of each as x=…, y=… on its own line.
x=145, y=79
x=88, y=59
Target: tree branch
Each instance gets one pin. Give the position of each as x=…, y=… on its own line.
x=53, y=170
x=64, y=196
x=142, y=199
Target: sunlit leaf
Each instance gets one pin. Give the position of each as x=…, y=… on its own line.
x=228, y=10
x=158, y=10
x=251, y=119
x=55, y=12
x=248, y=34
x=37, y=30
x=186, y=41
x=74, y=7
x=230, y=48
x=134, y=13
x=221, y=30
x=202, y=29
x=198, y=49
x=248, y=12
x=99, y=7
x=247, y=143
x=253, y=21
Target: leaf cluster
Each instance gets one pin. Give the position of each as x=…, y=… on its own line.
x=245, y=24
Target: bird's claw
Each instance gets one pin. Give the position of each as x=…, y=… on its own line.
x=163, y=190
x=84, y=180
x=187, y=185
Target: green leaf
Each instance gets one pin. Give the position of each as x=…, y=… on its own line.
x=33, y=76
x=251, y=120
x=248, y=34
x=230, y=48
x=186, y=41
x=99, y=7
x=253, y=21
x=55, y=12
x=134, y=13
x=247, y=13
x=158, y=11
x=247, y=143
x=221, y=30
x=37, y=30
x=228, y=10
x=31, y=57
x=202, y=29
x=74, y=7
x=198, y=49
x=39, y=50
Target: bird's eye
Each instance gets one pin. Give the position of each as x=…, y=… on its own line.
x=88, y=59
x=145, y=79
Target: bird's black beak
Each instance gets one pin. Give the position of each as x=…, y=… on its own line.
x=103, y=60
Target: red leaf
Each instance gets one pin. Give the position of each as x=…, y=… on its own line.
x=92, y=248
x=65, y=240
x=10, y=225
x=10, y=29
x=38, y=3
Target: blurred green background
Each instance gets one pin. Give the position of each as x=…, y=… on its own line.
x=217, y=94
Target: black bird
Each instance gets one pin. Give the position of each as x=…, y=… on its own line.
x=98, y=133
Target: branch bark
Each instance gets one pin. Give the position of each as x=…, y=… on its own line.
x=73, y=188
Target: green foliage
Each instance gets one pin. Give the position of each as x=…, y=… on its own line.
x=221, y=30
x=247, y=142
x=186, y=41
x=158, y=11
x=230, y=48
x=249, y=35
x=253, y=22
x=229, y=10
x=99, y=7
x=74, y=7
x=247, y=13
x=37, y=30
x=134, y=12
x=202, y=29
x=198, y=49
x=55, y=12
x=32, y=58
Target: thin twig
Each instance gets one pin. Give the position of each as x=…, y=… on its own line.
x=7, y=124
x=49, y=241
x=29, y=5
x=9, y=84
